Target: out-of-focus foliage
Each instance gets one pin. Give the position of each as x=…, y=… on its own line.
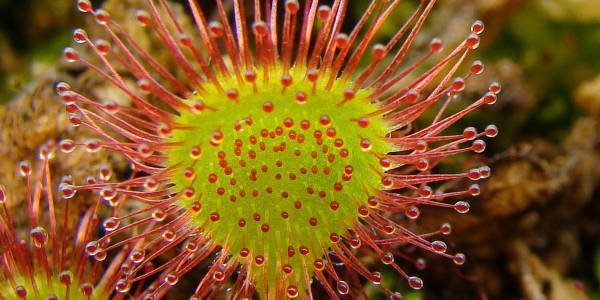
x=32, y=34
x=571, y=10
x=597, y=269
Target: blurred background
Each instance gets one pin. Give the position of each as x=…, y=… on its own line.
x=534, y=232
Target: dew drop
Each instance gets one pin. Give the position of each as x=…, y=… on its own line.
x=478, y=146
x=108, y=193
x=125, y=268
x=387, y=181
x=80, y=36
x=196, y=207
x=375, y=277
x=39, y=237
x=422, y=164
x=300, y=98
x=415, y=282
x=191, y=246
x=84, y=5
x=45, y=153
x=218, y=276
x=100, y=256
x=259, y=260
x=324, y=120
x=90, y=180
x=260, y=28
x=396, y=296
x=137, y=256
x=491, y=131
x=24, y=168
x=163, y=130
x=66, y=145
x=214, y=217
x=159, y=215
x=436, y=45
x=171, y=279
x=323, y=12
x=21, y=292
x=341, y=40
x=122, y=286
x=334, y=238
x=244, y=252
x=484, y=172
x=421, y=146
x=461, y=207
x=250, y=76
x=91, y=248
x=62, y=87
x=292, y=291
x=469, y=133
x=75, y=120
x=142, y=17
x=150, y=184
x=389, y=228
x=387, y=258
x=489, y=98
x=286, y=80
x=472, y=41
x=363, y=212
x=104, y=48
x=216, y=29
x=425, y=191
x=378, y=51
x=477, y=67
x=420, y=263
x=445, y=229
x=355, y=243
x=412, y=212
x=104, y=173
x=92, y=145
x=70, y=54
x=458, y=84
x=102, y=17
x=439, y=246
x=86, y=289
x=144, y=150
x=459, y=258
x=474, y=190
x=495, y=87
x=303, y=250
x=268, y=107
x=188, y=192
x=264, y=228
x=168, y=235
x=477, y=27
x=65, y=277
x=474, y=174
x=292, y=6
x=342, y=287
x=287, y=269
x=67, y=191
x=319, y=264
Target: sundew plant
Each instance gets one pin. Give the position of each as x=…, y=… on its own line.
x=284, y=146
x=46, y=259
